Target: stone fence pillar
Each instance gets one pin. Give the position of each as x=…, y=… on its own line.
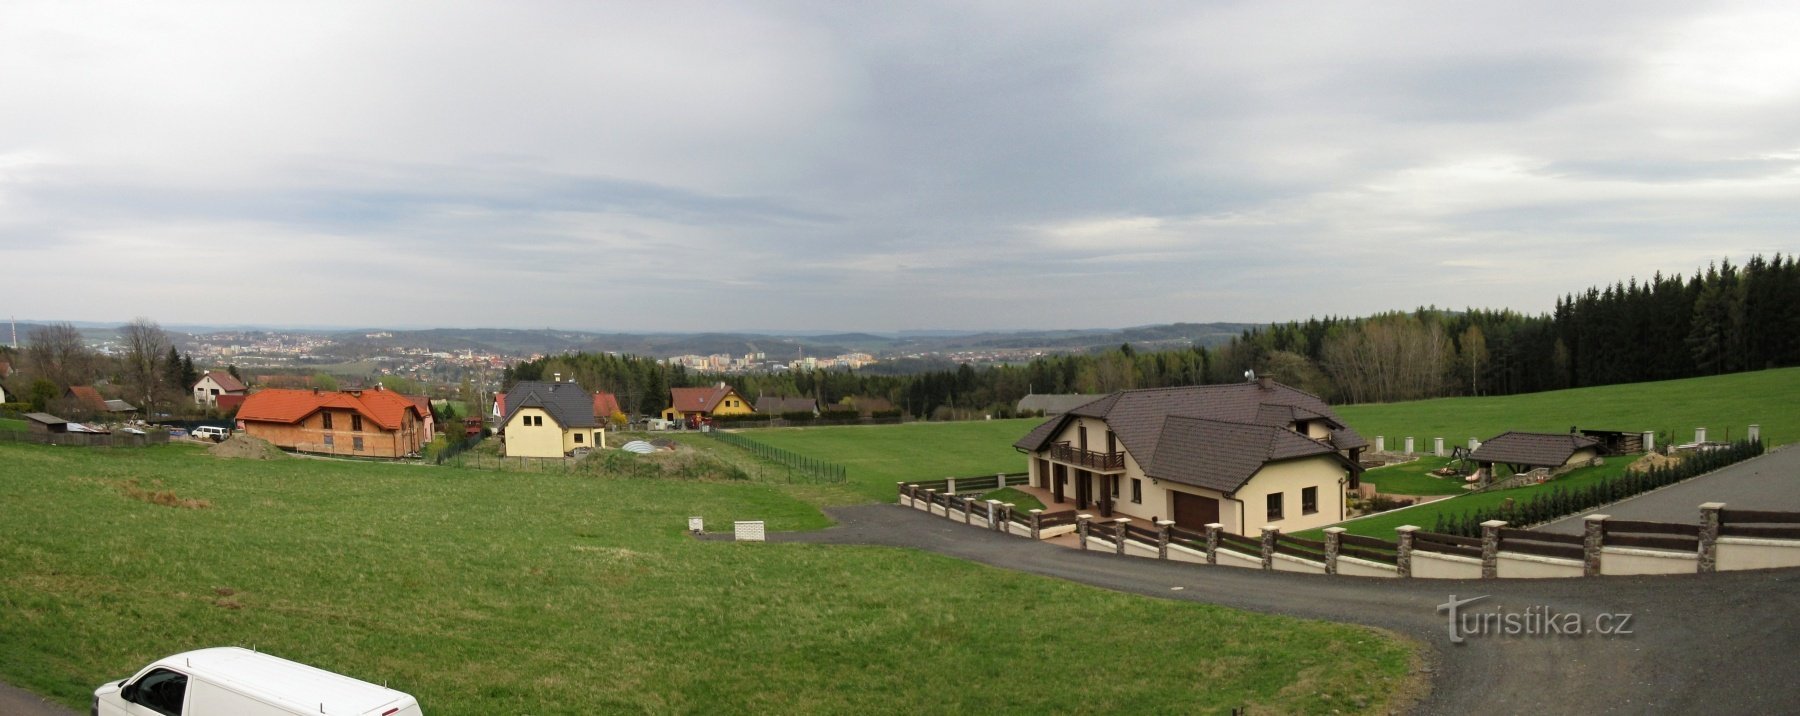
x=1081, y=529
x=1162, y=538
x=1437, y=447
x=905, y=499
x=1119, y=535
x=1649, y=441
x=1699, y=435
x=1035, y=529
x=993, y=514
x=1268, y=546
x=1473, y=443
x=1490, y=548
x=1709, y=536
x=1212, y=542
x=931, y=499
x=1755, y=433
x=1409, y=446
x=1380, y=443
x=1592, y=540
x=1403, y=552
x=1006, y=513
x=1333, y=539
x=950, y=486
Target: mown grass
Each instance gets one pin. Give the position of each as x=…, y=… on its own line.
x=493, y=592
x=14, y=425
x=1414, y=478
x=880, y=455
x=1725, y=405
x=1020, y=501
x=1425, y=516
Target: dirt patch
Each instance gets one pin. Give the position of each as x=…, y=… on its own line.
x=166, y=498
x=244, y=447
x=1652, y=461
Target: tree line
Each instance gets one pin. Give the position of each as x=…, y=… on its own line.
x=146, y=371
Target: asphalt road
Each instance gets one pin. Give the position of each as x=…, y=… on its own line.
x=1719, y=643
x=1769, y=482
x=19, y=702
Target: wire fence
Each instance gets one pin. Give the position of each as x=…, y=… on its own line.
x=457, y=448
x=807, y=468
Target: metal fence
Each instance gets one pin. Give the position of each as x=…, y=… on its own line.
x=808, y=468
x=153, y=437
x=456, y=448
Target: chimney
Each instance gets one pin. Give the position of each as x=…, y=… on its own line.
x=1262, y=381
x=558, y=378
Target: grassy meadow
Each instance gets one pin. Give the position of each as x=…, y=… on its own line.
x=515, y=592
x=1414, y=478
x=880, y=455
x=1382, y=525
x=14, y=425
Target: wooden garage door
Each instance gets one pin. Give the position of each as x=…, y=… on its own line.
x=1194, y=512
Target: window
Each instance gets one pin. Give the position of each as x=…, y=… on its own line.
x=356, y=423
x=1274, y=506
x=1309, y=500
x=162, y=691
x=1137, y=491
x=325, y=420
x=577, y=438
x=356, y=444
x=215, y=391
x=328, y=440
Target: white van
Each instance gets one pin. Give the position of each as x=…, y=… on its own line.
x=228, y=681
x=211, y=432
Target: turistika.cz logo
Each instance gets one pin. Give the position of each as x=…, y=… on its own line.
x=1533, y=621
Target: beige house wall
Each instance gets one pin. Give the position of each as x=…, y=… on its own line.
x=1289, y=478
x=533, y=441
x=1753, y=553
x=1525, y=566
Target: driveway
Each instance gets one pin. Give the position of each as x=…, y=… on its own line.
x=19, y=702
x=1768, y=482
x=1699, y=644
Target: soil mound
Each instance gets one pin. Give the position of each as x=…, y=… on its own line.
x=245, y=447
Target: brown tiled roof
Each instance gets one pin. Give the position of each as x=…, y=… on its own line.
x=88, y=397
x=1231, y=424
x=1535, y=449
x=697, y=400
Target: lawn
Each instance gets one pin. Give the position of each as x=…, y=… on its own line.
x=1021, y=501
x=1414, y=478
x=1425, y=516
x=880, y=455
x=1724, y=405
x=14, y=425
x=516, y=592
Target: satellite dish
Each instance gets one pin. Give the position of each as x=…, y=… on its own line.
x=1249, y=375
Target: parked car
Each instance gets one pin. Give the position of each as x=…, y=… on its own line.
x=212, y=432
x=229, y=681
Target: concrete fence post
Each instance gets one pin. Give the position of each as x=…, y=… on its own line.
x=1162, y=538
x=1592, y=540
x=1490, y=548
x=999, y=480
x=1035, y=516
x=1333, y=539
x=1699, y=435
x=1268, y=546
x=1081, y=529
x=1006, y=513
x=905, y=499
x=1212, y=542
x=993, y=512
x=1380, y=443
x=1473, y=443
x=1409, y=445
x=950, y=485
x=1121, y=534
x=1709, y=536
x=1403, y=552
x=1755, y=433
x=1437, y=447
x=968, y=512
x=1649, y=441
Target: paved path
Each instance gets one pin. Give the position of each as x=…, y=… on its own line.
x=1769, y=482
x=19, y=702
x=1720, y=643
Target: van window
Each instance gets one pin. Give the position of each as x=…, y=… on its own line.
x=161, y=691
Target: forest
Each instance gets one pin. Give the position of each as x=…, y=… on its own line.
x=1725, y=318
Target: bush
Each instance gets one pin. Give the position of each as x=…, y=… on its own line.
x=886, y=414
x=798, y=416
x=840, y=414
x=745, y=418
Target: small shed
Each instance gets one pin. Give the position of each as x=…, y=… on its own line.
x=46, y=423
x=1526, y=451
x=1616, y=442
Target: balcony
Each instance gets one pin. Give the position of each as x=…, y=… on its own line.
x=1088, y=459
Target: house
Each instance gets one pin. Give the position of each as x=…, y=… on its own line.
x=375, y=422
x=3, y=398
x=214, y=384
x=605, y=405
x=776, y=405
x=1053, y=404
x=1523, y=452
x=86, y=399
x=1242, y=455
x=549, y=419
x=431, y=416
x=45, y=423
x=691, y=404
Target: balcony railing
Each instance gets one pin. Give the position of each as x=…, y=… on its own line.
x=1103, y=461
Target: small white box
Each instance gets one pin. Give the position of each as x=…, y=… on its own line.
x=748, y=531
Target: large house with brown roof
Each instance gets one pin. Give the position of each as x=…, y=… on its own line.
x=703, y=403
x=214, y=384
x=375, y=422
x=1242, y=455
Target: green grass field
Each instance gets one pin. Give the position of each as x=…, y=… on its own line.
x=512, y=592
x=880, y=455
x=14, y=425
x=1425, y=516
x=1724, y=405
x=1412, y=478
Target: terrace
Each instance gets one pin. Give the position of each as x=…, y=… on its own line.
x=1104, y=462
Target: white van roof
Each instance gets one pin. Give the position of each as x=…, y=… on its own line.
x=289, y=683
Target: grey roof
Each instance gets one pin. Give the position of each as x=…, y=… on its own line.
x=567, y=403
x=1055, y=403
x=1216, y=436
x=778, y=405
x=1535, y=449
x=45, y=418
x=120, y=406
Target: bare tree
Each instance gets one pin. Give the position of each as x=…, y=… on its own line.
x=144, y=363
x=58, y=353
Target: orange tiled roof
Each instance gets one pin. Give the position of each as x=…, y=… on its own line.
x=88, y=397
x=279, y=405
x=605, y=404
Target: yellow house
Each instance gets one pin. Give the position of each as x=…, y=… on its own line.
x=550, y=420
x=719, y=399
x=1243, y=456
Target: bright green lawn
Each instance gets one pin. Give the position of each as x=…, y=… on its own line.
x=485, y=592
x=1425, y=516
x=1720, y=404
x=880, y=455
x=14, y=425
x=1021, y=501
x=1414, y=478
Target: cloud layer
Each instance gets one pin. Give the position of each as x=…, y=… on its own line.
x=678, y=166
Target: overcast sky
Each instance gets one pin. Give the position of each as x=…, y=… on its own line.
x=877, y=166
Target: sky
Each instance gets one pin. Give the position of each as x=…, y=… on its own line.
x=678, y=166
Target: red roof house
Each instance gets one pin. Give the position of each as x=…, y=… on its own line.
x=374, y=422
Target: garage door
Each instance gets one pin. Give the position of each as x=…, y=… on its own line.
x=1194, y=512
